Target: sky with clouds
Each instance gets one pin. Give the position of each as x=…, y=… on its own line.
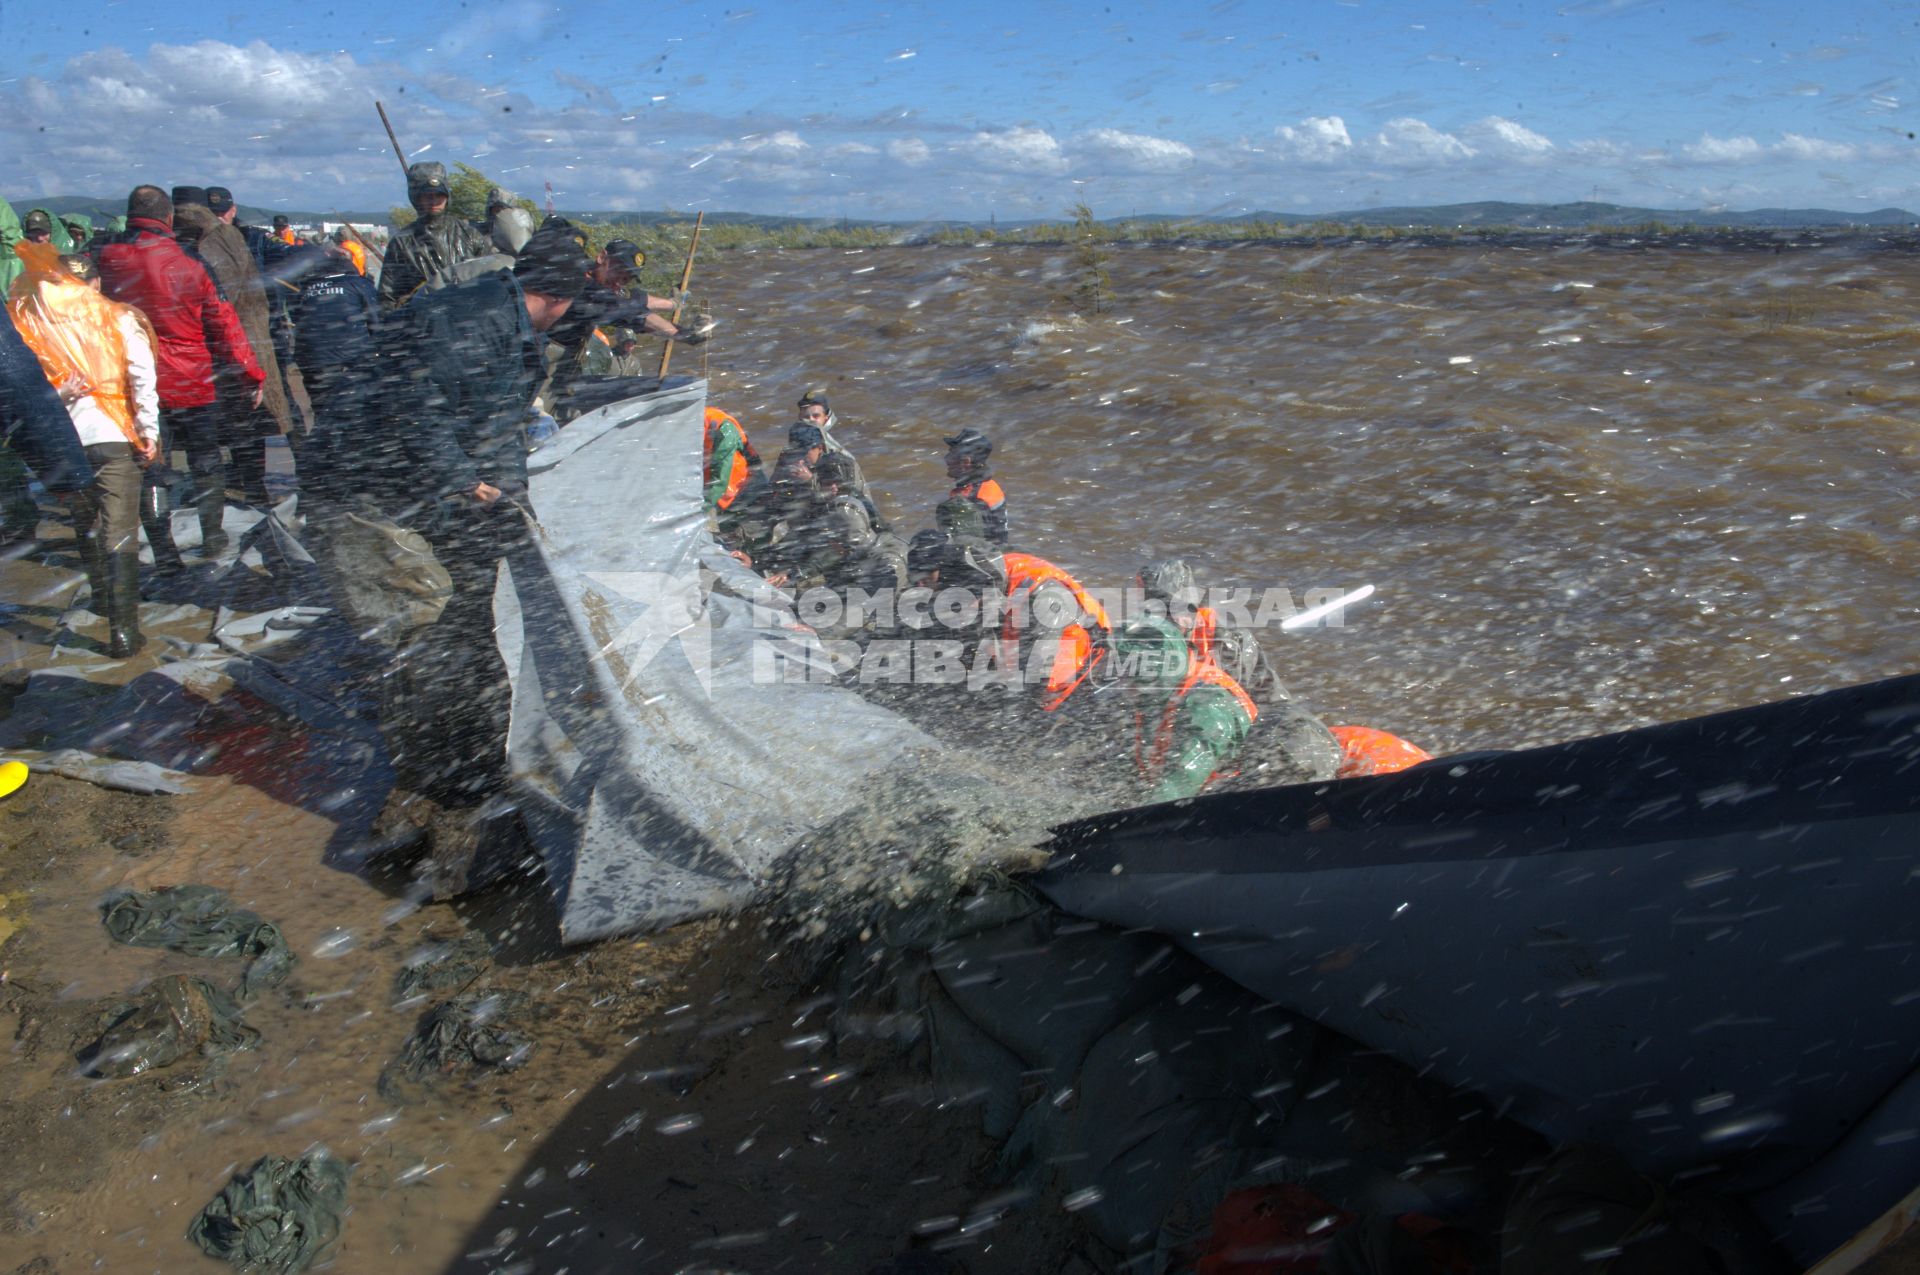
x=1011, y=108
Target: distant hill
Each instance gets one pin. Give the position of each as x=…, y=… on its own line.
x=1580, y=215
x=92, y=206
x=1484, y=214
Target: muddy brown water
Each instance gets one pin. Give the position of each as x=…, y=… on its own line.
x=1594, y=489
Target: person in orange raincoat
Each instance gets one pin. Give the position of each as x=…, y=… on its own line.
x=99, y=355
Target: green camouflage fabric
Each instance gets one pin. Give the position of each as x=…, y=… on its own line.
x=280, y=1216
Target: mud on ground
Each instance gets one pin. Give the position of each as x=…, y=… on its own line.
x=683, y=1085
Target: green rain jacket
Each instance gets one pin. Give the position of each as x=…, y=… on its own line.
x=11, y=267
x=1208, y=725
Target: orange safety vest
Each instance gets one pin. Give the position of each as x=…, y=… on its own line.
x=987, y=493
x=1077, y=653
x=738, y=472
x=357, y=253
x=286, y=236
x=1367, y=750
x=1151, y=763
x=75, y=332
x=1205, y=637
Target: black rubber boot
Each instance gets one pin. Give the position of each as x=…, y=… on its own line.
x=212, y=502
x=93, y=557
x=159, y=529
x=123, y=607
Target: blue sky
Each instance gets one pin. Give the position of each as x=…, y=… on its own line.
x=919, y=110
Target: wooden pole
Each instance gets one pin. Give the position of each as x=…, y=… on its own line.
x=372, y=251
x=686, y=277
x=397, y=152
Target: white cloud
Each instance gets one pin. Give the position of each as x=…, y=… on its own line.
x=1410, y=141
x=910, y=151
x=1020, y=150
x=1135, y=152
x=1794, y=146
x=279, y=126
x=1722, y=150
x=1500, y=136
x=1318, y=139
x=257, y=80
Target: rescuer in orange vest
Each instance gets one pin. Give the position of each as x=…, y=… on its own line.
x=967, y=464
x=1059, y=629
x=1291, y=744
x=1190, y=717
x=100, y=356
x=731, y=461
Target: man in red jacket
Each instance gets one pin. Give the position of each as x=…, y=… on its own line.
x=198, y=332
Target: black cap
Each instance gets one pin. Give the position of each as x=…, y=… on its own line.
x=815, y=397
x=219, y=198
x=427, y=177
x=184, y=195
x=553, y=263
x=805, y=434
x=282, y=222
x=626, y=254
x=971, y=442
x=926, y=551
x=79, y=265
x=1170, y=580
x=38, y=219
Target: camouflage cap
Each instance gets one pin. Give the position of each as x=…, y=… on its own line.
x=834, y=468
x=847, y=526
x=499, y=197
x=38, y=219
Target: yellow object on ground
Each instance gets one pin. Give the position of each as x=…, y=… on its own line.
x=12, y=775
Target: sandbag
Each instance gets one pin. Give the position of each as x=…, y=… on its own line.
x=442, y=964
x=198, y=920
x=173, y=1018
x=279, y=1216
x=472, y=1033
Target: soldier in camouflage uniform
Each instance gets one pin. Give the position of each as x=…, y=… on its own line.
x=425, y=253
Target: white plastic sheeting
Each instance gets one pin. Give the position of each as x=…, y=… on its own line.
x=658, y=767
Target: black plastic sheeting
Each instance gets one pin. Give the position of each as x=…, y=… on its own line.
x=1691, y=942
